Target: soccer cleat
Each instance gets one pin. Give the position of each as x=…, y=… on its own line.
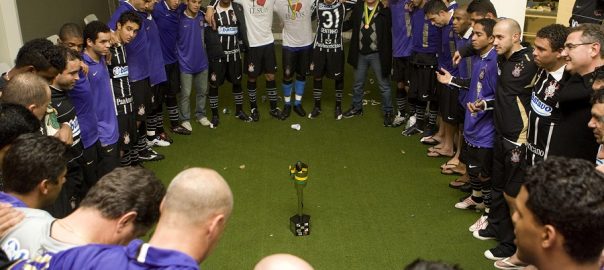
x=214, y=123
x=388, y=119
x=411, y=121
x=187, y=125
x=483, y=234
x=180, y=130
x=352, y=112
x=468, y=203
x=412, y=130
x=480, y=224
x=164, y=136
x=157, y=141
x=315, y=113
x=255, y=114
x=287, y=110
x=243, y=117
x=299, y=110
x=276, y=112
x=399, y=119
x=149, y=155
x=338, y=113
x=204, y=121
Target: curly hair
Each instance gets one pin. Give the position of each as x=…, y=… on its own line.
x=556, y=35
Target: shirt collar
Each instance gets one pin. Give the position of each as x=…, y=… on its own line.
x=452, y=3
x=485, y=55
x=149, y=255
x=468, y=33
x=12, y=200
x=558, y=73
x=168, y=7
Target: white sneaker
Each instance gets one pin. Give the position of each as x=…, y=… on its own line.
x=204, y=121
x=157, y=141
x=480, y=224
x=468, y=203
x=411, y=121
x=187, y=125
x=398, y=120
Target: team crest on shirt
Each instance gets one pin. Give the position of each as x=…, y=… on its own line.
x=141, y=110
x=481, y=75
x=213, y=77
x=250, y=67
x=233, y=17
x=551, y=89
x=126, y=138
x=312, y=66
x=517, y=70
x=515, y=158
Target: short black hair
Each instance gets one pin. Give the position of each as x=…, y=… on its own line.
x=128, y=189
x=556, y=35
x=31, y=158
x=130, y=16
x=16, y=120
x=92, y=30
x=482, y=7
x=70, y=30
x=434, y=7
x=488, y=25
x=420, y=264
x=41, y=54
x=569, y=195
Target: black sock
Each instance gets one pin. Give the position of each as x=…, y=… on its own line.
x=238, y=96
x=271, y=92
x=213, y=94
x=251, y=90
x=339, y=92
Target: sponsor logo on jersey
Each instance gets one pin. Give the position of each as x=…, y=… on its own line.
x=123, y=101
x=539, y=107
x=226, y=30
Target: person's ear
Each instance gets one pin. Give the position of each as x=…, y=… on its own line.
x=43, y=186
x=216, y=226
x=125, y=220
x=549, y=237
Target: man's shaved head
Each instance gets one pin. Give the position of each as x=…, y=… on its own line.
x=196, y=194
x=510, y=25
x=282, y=262
x=28, y=90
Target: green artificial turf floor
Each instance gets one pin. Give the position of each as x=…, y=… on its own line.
x=376, y=201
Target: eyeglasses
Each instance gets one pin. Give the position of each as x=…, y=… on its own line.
x=570, y=46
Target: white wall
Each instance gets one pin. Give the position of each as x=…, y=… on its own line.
x=513, y=9
x=10, y=32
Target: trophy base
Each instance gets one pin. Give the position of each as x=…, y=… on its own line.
x=300, y=225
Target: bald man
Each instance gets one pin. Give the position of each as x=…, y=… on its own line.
x=282, y=262
x=28, y=90
x=511, y=103
x=194, y=213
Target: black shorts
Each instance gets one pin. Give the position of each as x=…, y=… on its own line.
x=478, y=160
x=219, y=71
x=171, y=87
x=401, y=69
x=141, y=93
x=328, y=64
x=127, y=130
x=296, y=62
x=423, y=77
x=449, y=104
x=508, y=166
x=260, y=60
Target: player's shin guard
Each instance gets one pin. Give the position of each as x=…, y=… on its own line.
x=317, y=91
x=339, y=91
x=151, y=125
x=251, y=90
x=126, y=160
x=300, y=83
x=401, y=100
x=238, y=96
x=271, y=92
x=433, y=113
x=214, y=100
x=420, y=111
x=486, y=192
x=172, y=107
x=476, y=185
x=287, y=91
x=413, y=106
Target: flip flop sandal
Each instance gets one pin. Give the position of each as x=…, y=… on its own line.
x=448, y=165
x=429, y=140
x=507, y=265
x=439, y=154
x=451, y=172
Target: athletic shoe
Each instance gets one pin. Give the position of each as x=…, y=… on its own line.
x=499, y=253
x=243, y=117
x=255, y=114
x=412, y=130
x=315, y=113
x=299, y=110
x=338, y=113
x=483, y=234
x=287, y=110
x=149, y=155
x=187, y=125
x=429, y=130
x=480, y=224
x=352, y=112
x=180, y=130
x=157, y=141
x=399, y=119
x=388, y=119
x=468, y=203
x=164, y=136
x=276, y=112
x=214, y=123
x=204, y=121
x=411, y=121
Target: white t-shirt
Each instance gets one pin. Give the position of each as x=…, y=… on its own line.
x=31, y=237
x=297, y=26
x=259, y=21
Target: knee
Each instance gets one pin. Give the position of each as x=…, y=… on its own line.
x=269, y=77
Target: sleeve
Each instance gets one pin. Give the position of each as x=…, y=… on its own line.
x=460, y=82
x=466, y=51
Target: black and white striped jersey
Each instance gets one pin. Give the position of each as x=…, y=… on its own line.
x=330, y=23
x=118, y=73
x=228, y=29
